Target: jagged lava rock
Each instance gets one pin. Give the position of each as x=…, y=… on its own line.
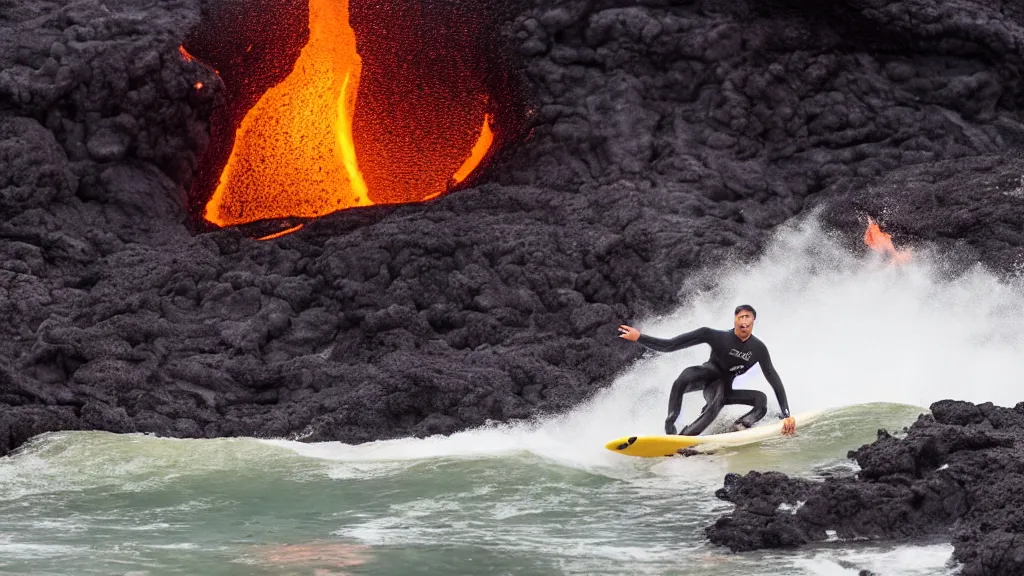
x=958, y=473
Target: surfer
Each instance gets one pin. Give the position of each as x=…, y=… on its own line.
x=733, y=352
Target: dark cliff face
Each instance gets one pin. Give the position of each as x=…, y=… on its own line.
x=665, y=137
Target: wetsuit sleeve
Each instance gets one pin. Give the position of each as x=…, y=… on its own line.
x=698, y=336
x=768, y=369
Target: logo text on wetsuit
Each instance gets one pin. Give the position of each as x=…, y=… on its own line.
x=744, y=355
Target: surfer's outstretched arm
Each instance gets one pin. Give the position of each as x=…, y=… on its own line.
x=768, y=369
x=698, y=336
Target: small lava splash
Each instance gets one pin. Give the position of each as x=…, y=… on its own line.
x=881, y=242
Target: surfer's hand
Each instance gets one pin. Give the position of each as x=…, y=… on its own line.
x=629, y=333
x=789, y=426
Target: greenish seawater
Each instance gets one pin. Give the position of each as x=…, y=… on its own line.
x=501, y=500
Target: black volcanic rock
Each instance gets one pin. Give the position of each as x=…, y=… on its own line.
x=958, y=471
x=667, y=137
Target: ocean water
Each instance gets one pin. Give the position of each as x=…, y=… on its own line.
x=871, y=340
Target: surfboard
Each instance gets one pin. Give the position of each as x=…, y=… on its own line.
x=667, y=445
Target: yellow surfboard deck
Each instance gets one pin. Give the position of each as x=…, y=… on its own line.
x=665, y=445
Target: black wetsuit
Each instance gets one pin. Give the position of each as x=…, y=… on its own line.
x=730, y=357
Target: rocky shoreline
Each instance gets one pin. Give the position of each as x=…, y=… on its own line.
x=955, y=473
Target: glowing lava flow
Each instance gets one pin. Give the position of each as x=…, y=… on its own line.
x=302, y=151
x=483, y=144
x=293, y=153
x=480, y=149
x=881, y=242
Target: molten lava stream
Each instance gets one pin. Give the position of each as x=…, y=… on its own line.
x=480, y=149
x=295, y=153
x=483, y=144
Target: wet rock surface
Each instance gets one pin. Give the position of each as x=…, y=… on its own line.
x=667, y=138
x=956, y=473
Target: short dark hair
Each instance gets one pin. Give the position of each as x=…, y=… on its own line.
x=746, y=307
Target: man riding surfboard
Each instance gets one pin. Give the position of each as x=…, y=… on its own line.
x=733, y=352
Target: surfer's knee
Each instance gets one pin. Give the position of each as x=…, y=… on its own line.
x=757, y=412
x=760, y=404
x=689, y=380
x=690, y=374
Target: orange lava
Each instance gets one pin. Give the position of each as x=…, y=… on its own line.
x=882, y=243
x=185, y=54
x=483, y=144
x=303, y=150
x=293, y=153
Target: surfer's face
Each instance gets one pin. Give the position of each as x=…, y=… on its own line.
x=744, y=324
